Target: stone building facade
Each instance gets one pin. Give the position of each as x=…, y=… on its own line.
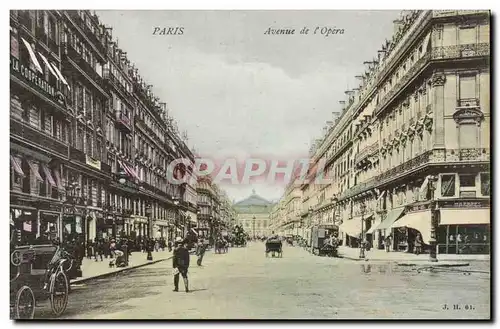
x=422, y=110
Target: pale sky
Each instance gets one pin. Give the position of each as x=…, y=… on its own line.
x=241, y=93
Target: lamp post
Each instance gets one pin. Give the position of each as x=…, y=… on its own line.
x=434, y=219
x=362, y=242
x=211, y=230
x=177, y=215
x=150, y=231
x=122, y=179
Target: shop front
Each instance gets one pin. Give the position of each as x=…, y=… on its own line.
x=383, y=229
x=73, y=223
x=160, y=229
x=104, y=227
x=139, y=228
x=464, y=228
x=23, y=221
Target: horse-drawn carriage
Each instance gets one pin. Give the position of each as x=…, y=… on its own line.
x=221, y=247
x=38, y=273
x=274, y=246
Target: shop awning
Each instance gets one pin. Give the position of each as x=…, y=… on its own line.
x=392, y=216
x=125, y=168
x=133, y=172
x=351, y=227
x=16, y=165
x=48, y=175
x=372, y=229
x=60, y=75
x=420, y=221
x=46, y=62
x=58, y=180
x=465, y=216
x=35, y=171
x=33, y=58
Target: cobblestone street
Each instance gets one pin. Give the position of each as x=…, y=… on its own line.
x=243, y=284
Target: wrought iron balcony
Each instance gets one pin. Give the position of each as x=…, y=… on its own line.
x=461, y=51
x=94, y=36
x=115, y=83
x=123, y=120
x=40, y=138
x=78, y=59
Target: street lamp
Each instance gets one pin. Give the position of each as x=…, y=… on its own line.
x=362, y=243
x=434, y=218
x=177, y=215
x=150, y=229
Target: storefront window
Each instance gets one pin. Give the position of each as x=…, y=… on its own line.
x=448, y=185
x=25, y=225
x=485, y=184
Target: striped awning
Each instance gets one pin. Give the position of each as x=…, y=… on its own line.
x=33, y=58
x=48, y=175
x=16, y=165
x=35, y=171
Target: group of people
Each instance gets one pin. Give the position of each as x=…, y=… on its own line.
x=416, y=245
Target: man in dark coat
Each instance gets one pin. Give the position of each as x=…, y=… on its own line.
x=180, y=263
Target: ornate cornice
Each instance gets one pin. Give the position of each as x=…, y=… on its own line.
x=466, y=115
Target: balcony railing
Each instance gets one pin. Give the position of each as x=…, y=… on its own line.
x=461, y=51
x=367, y=151
x=467, y=154
x=72, y=54
x=468, y=102
x=124, y=120
x=95, y=38
x=26, y=20
x=38, y=137
x=445, y=13
x=117, y=85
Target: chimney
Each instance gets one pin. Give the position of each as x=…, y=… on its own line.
x=398, y=24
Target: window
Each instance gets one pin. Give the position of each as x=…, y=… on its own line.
x=467, y=35
x=485, y=184
x=467, y=180
x=448, y=185
x=468, y=135
x=467, y=86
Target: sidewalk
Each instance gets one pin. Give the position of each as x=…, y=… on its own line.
x=382, y=255
x=92, y=269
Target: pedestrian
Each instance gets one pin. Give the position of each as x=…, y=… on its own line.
x=98, y=249
x=169, y=245
x=180, y=263
x=387, y=243
x=418, y=244
x=200, y=251
x=157, y=245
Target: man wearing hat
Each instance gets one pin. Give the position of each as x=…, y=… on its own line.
x=180, y=263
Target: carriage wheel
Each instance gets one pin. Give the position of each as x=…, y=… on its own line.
x=25, y=303
x=59, y=289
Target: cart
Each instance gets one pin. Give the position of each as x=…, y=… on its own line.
x=274, y=247
x=38, y=273
x=220, y=247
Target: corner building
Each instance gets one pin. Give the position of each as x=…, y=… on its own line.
x=422, y=108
